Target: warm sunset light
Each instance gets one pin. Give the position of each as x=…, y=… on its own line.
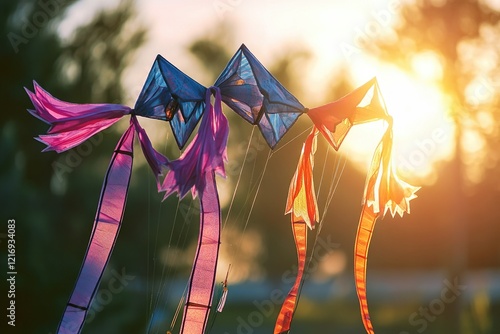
x=426, y=66
x=423, y=131
x=249, y=167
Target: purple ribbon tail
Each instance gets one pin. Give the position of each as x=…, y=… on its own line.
x=104, y=233
x=195, y=170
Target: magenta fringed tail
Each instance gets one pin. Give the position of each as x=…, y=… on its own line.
x=71, y=123
x=195, y=170
x=206, y=153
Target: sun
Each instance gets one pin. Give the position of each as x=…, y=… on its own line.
x=423, y=131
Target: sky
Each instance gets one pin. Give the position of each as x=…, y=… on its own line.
x=327, y=27
x=333, y=31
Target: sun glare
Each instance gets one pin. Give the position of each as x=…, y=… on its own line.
x=423, y=132
x=427, y=66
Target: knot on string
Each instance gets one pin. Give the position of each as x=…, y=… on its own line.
x=215, y=91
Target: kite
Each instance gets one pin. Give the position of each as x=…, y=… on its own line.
x=247, y=88
x=383, y=189
x=71, y=124
x=254, y=94
x=250, y=90
x=169, y=95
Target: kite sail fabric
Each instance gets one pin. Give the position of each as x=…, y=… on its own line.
x=246, y=87
x=252, y=92
x=334, y=120
x=71, y=124
x=170, y=95
x=383, y=191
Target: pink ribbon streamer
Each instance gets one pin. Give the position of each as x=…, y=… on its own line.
x=71, y=123
x=195, y=170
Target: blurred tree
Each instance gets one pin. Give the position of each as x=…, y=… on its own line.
x=458, y=35
x=213, y=50
x=53, y=214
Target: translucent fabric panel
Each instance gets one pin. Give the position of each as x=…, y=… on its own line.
x=169, y=94
x=250, y=90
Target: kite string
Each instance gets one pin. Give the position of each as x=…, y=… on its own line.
x=154, y=300
x=171, y=271
x=161, y=285
x=147, y=254
x=157, y=228
x=323, y=171
x=151, y=303
x=291, y=140
x=270, y=154
x=239, y=178
x=178, y=309
x=333, y=188
x=257, y=191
